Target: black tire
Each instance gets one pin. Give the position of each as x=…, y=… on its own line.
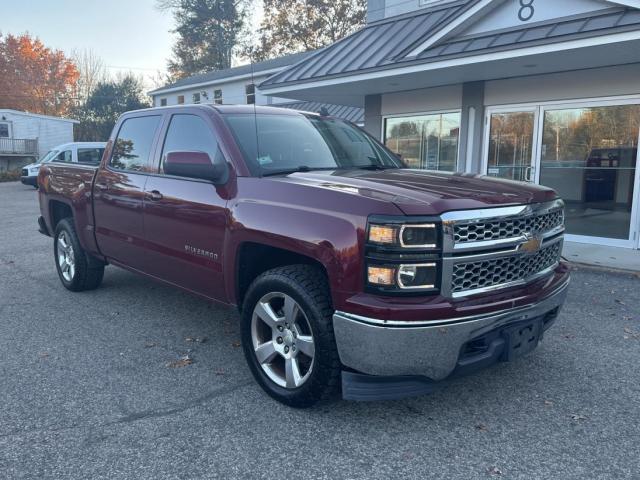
x=88, y=271
x=308, y=286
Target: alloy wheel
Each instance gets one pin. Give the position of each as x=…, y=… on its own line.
x=66, y=257
x=282, y=340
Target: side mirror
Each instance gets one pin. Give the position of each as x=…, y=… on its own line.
x=195, y=165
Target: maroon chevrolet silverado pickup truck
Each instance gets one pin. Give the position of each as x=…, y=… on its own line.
x=350, y=270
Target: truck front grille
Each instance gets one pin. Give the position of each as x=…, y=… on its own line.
x=493, y=248
x=505, y=270
x=507, y=228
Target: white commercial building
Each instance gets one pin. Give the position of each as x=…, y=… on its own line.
x=543, y=91
x=239, y=86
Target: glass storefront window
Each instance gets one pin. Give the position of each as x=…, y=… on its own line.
x=425, y=141
x=589, y=156
x=510, y=145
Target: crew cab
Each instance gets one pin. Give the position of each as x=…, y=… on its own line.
x=349, y=270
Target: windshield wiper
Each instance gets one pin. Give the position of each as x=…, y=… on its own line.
x=374, y=167
x=301, y=168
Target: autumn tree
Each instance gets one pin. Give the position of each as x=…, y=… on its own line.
x=209, y=34
x=291, y=26
x=35, y=78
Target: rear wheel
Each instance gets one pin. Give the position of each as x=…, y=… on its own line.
x=78, y=271
x=287, y=335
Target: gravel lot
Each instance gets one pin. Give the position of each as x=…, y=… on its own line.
x=86, y=390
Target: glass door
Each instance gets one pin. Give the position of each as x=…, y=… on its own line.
x=589, y=155
x=510, y=136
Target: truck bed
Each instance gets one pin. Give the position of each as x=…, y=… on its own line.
x=66, y=188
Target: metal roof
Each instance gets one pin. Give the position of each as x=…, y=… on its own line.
x=218, y=75
x=386, y=44
x=351, y=114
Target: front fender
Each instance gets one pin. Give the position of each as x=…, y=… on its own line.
x=331, y=240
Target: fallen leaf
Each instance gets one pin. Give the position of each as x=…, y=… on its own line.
x=620, y=301
x=150, y=344
x=481, y=427
x=235, y=344
x=494, y=471
x=44, y=354
x=629, y=333
x=548, y=403
x=195, y=339
x=181, y=362
x=578, y=417
x=219, y=372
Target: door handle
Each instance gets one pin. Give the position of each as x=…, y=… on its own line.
x=155, y=195
x=102, y=186
x=528, y=175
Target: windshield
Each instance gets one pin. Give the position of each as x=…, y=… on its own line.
x=49, y=156
x=283, y=143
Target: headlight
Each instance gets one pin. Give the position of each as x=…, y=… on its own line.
x=33, y=170
x=424, y=236
x=417, y=276
x=403, y=255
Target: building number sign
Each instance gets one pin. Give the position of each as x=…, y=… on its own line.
x=526, y=10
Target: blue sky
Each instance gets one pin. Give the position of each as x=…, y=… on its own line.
x=129, y=35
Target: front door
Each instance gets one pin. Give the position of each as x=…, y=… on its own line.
x=119, y=192
x=185, y=219
x=510, y=136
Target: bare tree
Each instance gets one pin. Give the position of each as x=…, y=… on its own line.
x=92, y=72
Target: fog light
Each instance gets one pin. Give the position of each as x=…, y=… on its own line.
x=422, y=276
x=381, y=276
x=382, y=234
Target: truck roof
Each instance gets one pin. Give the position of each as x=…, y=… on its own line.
x=226, y=109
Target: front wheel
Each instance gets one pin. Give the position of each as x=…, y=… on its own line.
x=287, y=335
x=77, y=270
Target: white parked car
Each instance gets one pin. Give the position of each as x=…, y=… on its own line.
x=88, y=153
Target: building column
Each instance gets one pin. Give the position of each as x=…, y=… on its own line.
x=373, y=115
x=471, y=127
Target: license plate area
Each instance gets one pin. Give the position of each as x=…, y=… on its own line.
x=521, y=338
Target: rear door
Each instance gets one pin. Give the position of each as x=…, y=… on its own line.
x=119, y=192
x=185, y=219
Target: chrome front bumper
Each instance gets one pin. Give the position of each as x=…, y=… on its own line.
x=430, y=348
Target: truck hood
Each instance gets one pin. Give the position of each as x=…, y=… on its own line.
x=421, y=192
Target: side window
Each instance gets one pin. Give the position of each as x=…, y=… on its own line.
x=4, y=130
x=65, y=157
x=133, y=145
x=90, y=156
x=189, y=133
x=250, y=90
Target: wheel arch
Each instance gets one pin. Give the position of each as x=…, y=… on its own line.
x=254, y=258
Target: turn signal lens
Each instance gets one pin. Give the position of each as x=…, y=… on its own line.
x=381, y=276
x=382, y=234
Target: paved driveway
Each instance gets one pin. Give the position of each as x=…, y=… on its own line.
x=85, y=390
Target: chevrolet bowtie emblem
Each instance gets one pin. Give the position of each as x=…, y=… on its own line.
x=532, y=245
